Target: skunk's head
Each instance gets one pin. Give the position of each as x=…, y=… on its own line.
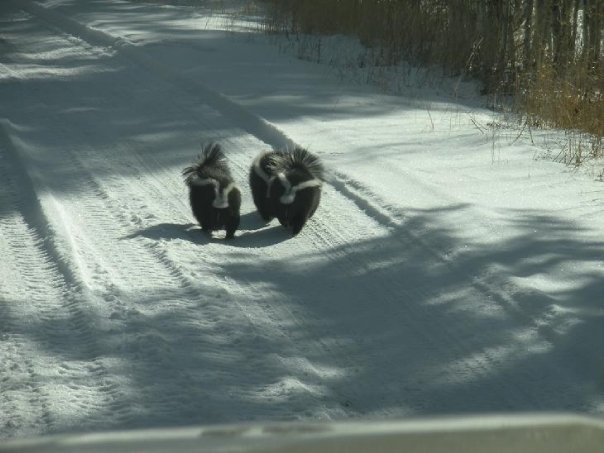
x=266, y=164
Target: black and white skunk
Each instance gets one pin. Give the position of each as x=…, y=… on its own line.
x=261, y=174
x=294, y=189
x=214, y=197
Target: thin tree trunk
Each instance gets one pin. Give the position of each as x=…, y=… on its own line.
x=528, y=33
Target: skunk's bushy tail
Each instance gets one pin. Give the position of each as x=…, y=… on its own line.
x=302, y=159
x=211, y=159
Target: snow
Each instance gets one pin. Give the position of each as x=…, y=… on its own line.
x=450, y=268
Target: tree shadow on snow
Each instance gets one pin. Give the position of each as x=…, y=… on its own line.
x=380, y=327
x=454, y=337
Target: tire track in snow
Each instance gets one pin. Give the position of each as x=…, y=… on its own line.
x=145, y=348
x=20, y=415
x=20, y=244
x=55, y=299
x=126, y=218
x=94, y=276
x=257, y=312
x=127, y=215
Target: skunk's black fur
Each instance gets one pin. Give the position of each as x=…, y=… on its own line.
x=214, y=197
x=261, y=173
x=295, y=187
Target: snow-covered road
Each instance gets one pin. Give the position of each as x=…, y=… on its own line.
x=447, y=270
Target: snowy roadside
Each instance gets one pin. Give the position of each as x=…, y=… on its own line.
x=448, y=256
x=401, y=158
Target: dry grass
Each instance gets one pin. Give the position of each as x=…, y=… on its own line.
x=544, y=54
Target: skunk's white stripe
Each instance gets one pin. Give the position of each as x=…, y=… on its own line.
x=270, y=184
x=222, y=196
x=285, y=182
x=290, y=191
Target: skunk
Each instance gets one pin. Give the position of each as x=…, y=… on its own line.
x=294, y=189
x=261, y=173
x=214, y=197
